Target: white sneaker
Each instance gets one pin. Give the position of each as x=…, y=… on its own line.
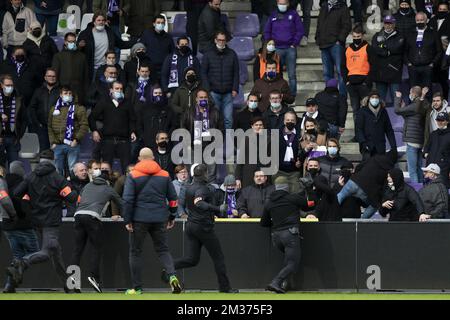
x=304, y=42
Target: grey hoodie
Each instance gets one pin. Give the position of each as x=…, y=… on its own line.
x=95, y=196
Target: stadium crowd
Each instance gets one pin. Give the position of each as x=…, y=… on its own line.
x=84, y=96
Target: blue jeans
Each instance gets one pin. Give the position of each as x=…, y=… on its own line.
x=306, y=6
x=383, y=87
x=52, y=23
x=333, y=131
x=61, y=152
x=414, y=160
x=224, y=102
x=9, y=151
x=22, y=242
x=351, y=189
x=331, y=59
x=289, y=58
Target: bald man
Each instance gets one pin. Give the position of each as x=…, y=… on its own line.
x=148, y=190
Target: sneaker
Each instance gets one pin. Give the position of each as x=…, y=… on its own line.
x=304, y=42
x=133, y=292
x=175, y=284
x=95, y=284
x=275, y=288
x=164, y=276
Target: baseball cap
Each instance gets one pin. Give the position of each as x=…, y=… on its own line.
x=389, y=19
x=442, y=116
x=432, y=167
x=311, y=102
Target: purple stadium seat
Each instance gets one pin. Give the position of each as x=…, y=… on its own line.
x=243, y=72
x=59, y=41
x=179, y=25
x=246, y=25
x=416, y=185
x=243, y=46
x=396, y=120
x=239, y=100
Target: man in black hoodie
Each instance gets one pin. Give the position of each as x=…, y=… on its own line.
x=282, y=214
x=47, y=190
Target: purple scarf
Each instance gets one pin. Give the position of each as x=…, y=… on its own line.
x=231, y=202
x=12, y=117
x=173, y=76
x=113, y=7
x=19, y=66
x=141, y=90
x=70, y=124
x=201, y=122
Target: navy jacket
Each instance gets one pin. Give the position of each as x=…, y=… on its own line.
x=159, y=46
x=220, y=71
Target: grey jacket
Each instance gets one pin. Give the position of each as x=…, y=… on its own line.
x=7, y=210
x=414, y=115
x=95, y=196
x=435, y=199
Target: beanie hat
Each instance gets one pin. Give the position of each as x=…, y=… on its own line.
x=136, y=47
x=281, y=183
x=229, y=180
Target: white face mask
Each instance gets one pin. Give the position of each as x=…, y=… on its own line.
x=270, y=48
x=100, y=28
x=220, y=46
x=282, y=7
x=96, y=173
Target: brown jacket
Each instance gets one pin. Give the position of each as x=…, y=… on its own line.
x=57, y=125
x=263, y=87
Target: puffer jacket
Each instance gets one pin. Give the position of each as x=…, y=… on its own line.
x=414, y=115
x=12, y=36
x=220, y=71
x=149, y=195
x=330, y=168
x=435, y=199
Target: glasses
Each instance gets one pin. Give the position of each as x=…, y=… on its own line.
x=221, y=40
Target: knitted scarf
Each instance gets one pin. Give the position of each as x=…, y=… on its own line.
x=141, y=89
x=231, y=202
x=113, y=7
x=173, y=77
x=12, y=117
x=289, y=155
x=201, y=122
x=419, y=39
x=70, y=124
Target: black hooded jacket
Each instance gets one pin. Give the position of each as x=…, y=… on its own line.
x=22, y=206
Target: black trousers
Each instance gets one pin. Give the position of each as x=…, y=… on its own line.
x=158, y=232
x=357, y=92
x=88, y=229
x=198, y=236
x=287, y=242
x=420, y=76
x=116, y=148
x=193, y=12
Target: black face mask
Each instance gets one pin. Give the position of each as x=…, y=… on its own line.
x=442, y=14
x=185, y=49
x=311, y=131
x=163, y=144
x=37, y=33
x=357, y=42
x=20, y=58
x=191, y=78
x=421, y=25
x=141, y=55
x=404, y=10
x=313, y=172
x=290, y=126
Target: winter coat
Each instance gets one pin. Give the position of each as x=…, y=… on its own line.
x=220, y=71
x=253, y=198
x=435, y=198
x=209, y=23
x=264, y=86
x=159, y=46
x=21, y=205
x=183, y=99
x=149, y=195
x=164, y=160
x=330, y=168
x=407, y=203
x=139, y=15
x=414, y=115
x=42, y=54
x=431, y=112
x=405, y=24
x=215, y=119
x=327, y=208
x=333, y=25
x=332, y=106
x=20, y=116
x=430, y=52
x=438, y=148
x=57, y=125
x=7, y=210
x=15, y=30
x=288, y=166
x=386, y=57
x=286, y=29
x=274, y=120
x=243, y=118
x=41, y=103
x=182, y=64
x=47, y=190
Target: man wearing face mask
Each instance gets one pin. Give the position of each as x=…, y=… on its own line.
x=274, y=116
x=243, y=118
x=110, y=58
x=434, y=194
x=154, y=116
x=227, y=195
x=272, y=80
x=175, y=64
x=39, y=47
x=100, y=89
x=438, y=104
x=209, y=23
x=423, y=53
x=387, y=50
x=162, y=153
x=331, y=163
x=159, y=45
x=72, y=68
x=373, y=126
x=437, y=150
x=312, y=111
x=138, y=58
x=13, y=118
x=139, y=90
x=96, y=40
x=405, y=18
x=285, y=27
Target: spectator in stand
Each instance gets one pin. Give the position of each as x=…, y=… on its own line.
x=13, y=115
x=138, y=58
x=72, y=68
x=266, y=53
x=180, y=182
x=114, y=14
x=437, y=150
x=110, y=61
x=159, y=45
x=138, y=91
x=243, y=118
x=39, y=48
x=386, y=58
x=439, y=104
x=209, y=24
x=47, y=12
x=333, y=26
x=400, y=201
x=119, y=126
x=220, y=75
x=434, y=194
x=330, y=165
x=313, y=142
x=333, y=106
x=356, y=68
x=139, y=15
x=312, y=111
x=285, y=27
x=92, y=166
x=175, y=64
x=250, y=203
x=154, y=116
x=183, y=100
x=193, y=10
x=351, y=206
x=227, y=195
x=67, y=126
x=289, y=161
x=96, y=40
x=274, y=116
x=413, y=130
x=252, y=162
x=373, y=126
x=272, y=80
x=162, y=153
x=405, y=18
x=16, y=24
x=79, y=178
x=100, y=89
x=423, y=52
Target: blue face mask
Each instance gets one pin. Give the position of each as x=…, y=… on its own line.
x=67, y=99
x=72, y=46
x=159, y=26
x=271, y=74
x=333, y=151
x=253, y=105
x=118, y=95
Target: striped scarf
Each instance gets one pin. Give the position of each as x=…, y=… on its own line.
x=113, y=7
x=70, y=124
x=12, y=117
x=419, y=39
